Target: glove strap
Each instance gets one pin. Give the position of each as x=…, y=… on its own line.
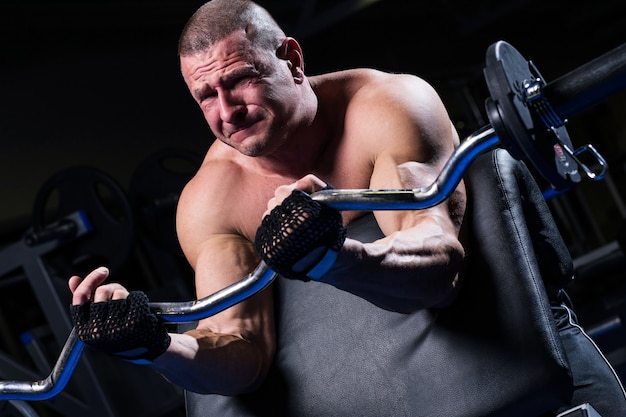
x=323, y=265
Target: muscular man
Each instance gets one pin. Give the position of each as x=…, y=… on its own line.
x=279, y=130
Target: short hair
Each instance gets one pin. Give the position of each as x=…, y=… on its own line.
x=217, y=19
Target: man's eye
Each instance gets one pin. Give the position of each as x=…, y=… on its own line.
x=206, y=97
x=245, y=79
x=239, y=81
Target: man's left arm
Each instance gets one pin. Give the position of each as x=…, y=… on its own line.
x=416, y=264
x=409, y=137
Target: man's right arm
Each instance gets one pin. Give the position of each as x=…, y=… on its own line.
x=231, y=352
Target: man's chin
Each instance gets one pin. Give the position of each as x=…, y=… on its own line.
x=251, y=151
x=248, y=142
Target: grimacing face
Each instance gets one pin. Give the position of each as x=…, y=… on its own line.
x=247, y=96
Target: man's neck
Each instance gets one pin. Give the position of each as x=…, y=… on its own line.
x=300, y=155
x=302, y=152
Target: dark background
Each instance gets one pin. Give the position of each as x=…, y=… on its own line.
x=97, y=83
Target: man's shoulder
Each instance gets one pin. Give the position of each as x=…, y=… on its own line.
x=353, y=75
x=216, y=171
x=226, y=176
x=369, y=90
x=369, y=78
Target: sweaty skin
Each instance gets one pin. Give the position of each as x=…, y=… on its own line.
x=277, y=130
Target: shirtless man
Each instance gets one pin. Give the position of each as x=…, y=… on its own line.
x=367, y=303
x=277, y=130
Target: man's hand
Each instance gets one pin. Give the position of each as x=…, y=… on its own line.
x=113, y=320
x=309, y=184
x=300, y=238
x=91, y=288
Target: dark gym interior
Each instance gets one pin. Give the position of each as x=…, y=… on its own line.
x=91, y=95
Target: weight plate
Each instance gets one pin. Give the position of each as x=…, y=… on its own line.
x=107, y=209
x=519, y=128
x=154, y=189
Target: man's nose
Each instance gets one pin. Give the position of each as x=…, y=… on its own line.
x=231, y=108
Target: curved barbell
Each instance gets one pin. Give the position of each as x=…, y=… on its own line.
x=547, y=106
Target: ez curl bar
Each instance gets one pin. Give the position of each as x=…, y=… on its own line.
x=527, y=117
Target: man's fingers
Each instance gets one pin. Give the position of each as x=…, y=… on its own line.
x=83, y=289
x=283, y=192
x=110, y=292
x=74, y=282
x=120, y=294
x=309, y=184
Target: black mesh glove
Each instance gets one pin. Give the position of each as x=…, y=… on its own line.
x=125, y=328
x=300, y=238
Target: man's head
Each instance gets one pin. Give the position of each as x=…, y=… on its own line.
x=219, y=18
x=246, y=75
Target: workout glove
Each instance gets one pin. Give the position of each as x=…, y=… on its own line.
x=300, y=238
x=125, y=328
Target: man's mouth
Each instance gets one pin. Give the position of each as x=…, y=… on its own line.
x=234, y=130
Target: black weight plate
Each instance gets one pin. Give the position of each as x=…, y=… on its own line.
x=154, y=189
x=107, y=209
x=518, y=128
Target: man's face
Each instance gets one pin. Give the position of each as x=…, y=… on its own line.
x=247, y=96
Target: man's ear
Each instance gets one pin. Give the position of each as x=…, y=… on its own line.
x=291, y=51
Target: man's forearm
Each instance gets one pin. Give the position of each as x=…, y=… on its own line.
x=397, y=274
x=212, y=363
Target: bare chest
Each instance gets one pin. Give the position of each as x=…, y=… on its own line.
x=250, y=200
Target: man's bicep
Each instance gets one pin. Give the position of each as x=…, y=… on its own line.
x=390, y=173
x=202, y=215
x=223, y=259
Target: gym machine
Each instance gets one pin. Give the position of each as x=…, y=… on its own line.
x=78, y=213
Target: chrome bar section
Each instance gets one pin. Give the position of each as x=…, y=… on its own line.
x=420, y=198
x=177, y=312
x=187, y=311
x=54, y=383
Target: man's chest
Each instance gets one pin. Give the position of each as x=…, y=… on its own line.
x=250, y=200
